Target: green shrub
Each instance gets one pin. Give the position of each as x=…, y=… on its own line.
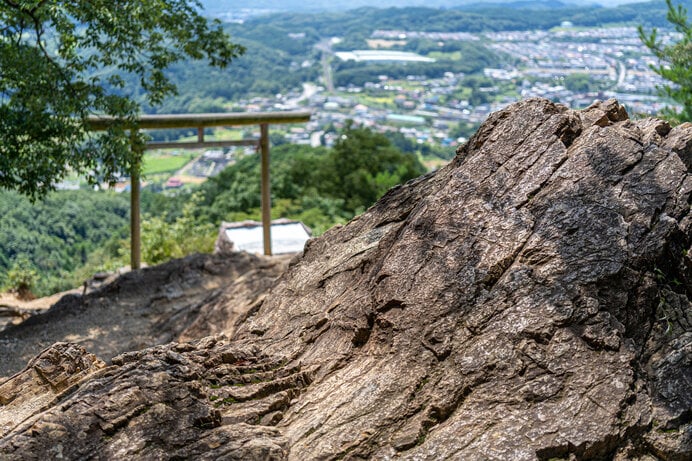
x=162, y=241
x=21, y=278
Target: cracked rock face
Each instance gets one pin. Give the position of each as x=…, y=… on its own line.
x=528, y=301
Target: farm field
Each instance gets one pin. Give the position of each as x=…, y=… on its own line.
x=158, y=162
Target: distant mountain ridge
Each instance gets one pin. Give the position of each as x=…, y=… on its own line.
x=222, y=6
x=523, y=5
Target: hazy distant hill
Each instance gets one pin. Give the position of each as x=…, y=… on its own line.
x=222, y=6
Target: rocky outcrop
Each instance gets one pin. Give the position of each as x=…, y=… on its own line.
x=528, y=301
x=52, y=374
x=184, y=299
x=162, y=403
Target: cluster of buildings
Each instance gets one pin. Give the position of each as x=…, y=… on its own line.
x=614, y=56
x=428, y=110
x=407, y=35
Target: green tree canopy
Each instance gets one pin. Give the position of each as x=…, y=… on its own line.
x=363, y=165
x=675, y=61
x=61, y=61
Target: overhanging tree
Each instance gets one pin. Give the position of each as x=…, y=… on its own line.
x=675, y=61
x=62, y=61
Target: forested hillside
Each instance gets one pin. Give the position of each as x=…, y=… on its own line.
x=55, y=237
x=255, y=73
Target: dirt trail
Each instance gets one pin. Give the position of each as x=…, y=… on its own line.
x=138, y=309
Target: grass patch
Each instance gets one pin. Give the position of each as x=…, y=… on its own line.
x=156, y=163
x=384, y=102
x=442, y=56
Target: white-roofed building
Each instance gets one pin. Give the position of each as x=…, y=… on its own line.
x=381, y=56
x=287, y=236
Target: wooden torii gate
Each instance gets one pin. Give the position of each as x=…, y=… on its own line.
x=202, y=121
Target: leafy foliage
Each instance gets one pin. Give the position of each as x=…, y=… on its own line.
x=234, y=195
x=21, y=278
x=62, y=61
x=582, y=83
x=362, y=166
x=162, y=241
x=675, y=61
x=482, y=17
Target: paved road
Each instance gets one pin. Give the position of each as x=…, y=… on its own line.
x=326, y=48
x=622, y=73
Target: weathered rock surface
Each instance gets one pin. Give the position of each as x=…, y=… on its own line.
x=52, y=374
x=188, y=298
x=531, y=300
